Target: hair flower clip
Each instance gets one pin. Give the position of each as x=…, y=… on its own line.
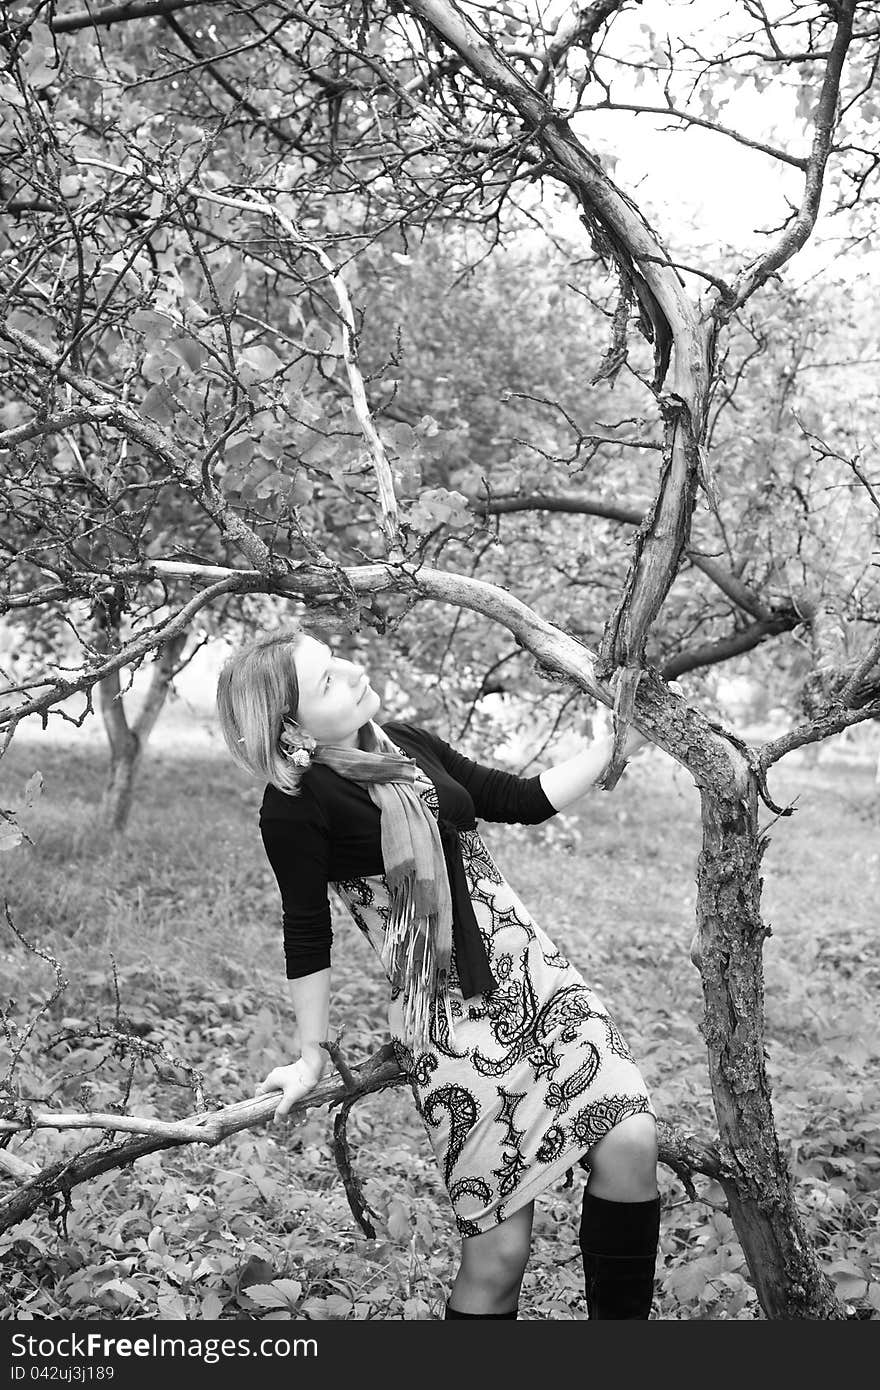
x=296, y=744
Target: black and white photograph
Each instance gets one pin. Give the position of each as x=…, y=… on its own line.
x=439, y=675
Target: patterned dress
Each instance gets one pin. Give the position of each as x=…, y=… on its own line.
x=535, y=1073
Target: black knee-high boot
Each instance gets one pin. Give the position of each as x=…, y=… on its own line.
x=454, y=1313
x=618, y=1242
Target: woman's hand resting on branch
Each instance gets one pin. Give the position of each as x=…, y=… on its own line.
x=294, y=1082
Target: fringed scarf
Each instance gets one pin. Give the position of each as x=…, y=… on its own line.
x=417, y=948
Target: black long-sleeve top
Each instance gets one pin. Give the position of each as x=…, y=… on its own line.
x=330, y=831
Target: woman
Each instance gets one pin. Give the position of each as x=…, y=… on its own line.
x=517, y=1069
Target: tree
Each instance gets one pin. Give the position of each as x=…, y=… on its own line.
x=178, y=285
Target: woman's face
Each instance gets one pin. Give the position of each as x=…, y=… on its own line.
x=335, y=695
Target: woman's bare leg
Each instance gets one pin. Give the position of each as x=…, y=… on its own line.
x=492, y=1266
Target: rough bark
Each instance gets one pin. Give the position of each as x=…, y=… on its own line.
x=782, y=1263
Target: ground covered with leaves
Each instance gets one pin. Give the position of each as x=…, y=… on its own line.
x=185, y=911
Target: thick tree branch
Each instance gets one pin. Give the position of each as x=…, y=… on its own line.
x=571, y=162
x=661, y=714
x=119, y=14
x=711, y=653
x=54, y=424
x=687, y=1154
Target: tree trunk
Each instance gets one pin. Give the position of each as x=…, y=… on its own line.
x=127, y=743
x=783, y=1265
x=115, y=805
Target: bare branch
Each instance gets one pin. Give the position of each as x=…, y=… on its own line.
x=133, y=650
x=116, y=14
x=711, y=653
x=688, y=118
x=54, y=424
x=752, y=276
x=824, y=726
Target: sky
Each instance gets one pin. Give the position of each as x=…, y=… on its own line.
x=699, y=188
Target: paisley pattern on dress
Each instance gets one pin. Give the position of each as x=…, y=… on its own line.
x=462, y=1108
x=530, y=1076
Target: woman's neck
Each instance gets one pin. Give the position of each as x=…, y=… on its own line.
x=353, y=740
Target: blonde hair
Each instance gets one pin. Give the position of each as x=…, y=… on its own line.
x=255, y=689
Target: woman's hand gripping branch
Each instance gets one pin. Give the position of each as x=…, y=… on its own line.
x=293, y=1081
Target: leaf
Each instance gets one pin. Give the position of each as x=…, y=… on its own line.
x=255, y=1271
x=33, y=787
x=190, y=352
x=322, y=1309
x=154, y=326
x=400, y=437
x=851, y=1285
x=296, y=376
x=238, y=450
x=39, y=61
x=118, y=1286
x=440, y=507
x=36, y=325
x=172, y=1305
x=266, y=1296
x=159, y=405
x=686, y=1282
x=258, y=363
x=317, y=338
x=10, y=834
x=156, y=1240
x=268, y=485
x=228, y=277
x=10, y=95
x=407, y=475
x=291, y=1288
x=301, y=490
x=212, y=1306
x=416, y=1308
x=267, y=1187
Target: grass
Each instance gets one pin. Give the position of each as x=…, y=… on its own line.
x=184, y=910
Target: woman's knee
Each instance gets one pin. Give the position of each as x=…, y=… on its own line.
x=627, y=1154
x=500, y=1256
